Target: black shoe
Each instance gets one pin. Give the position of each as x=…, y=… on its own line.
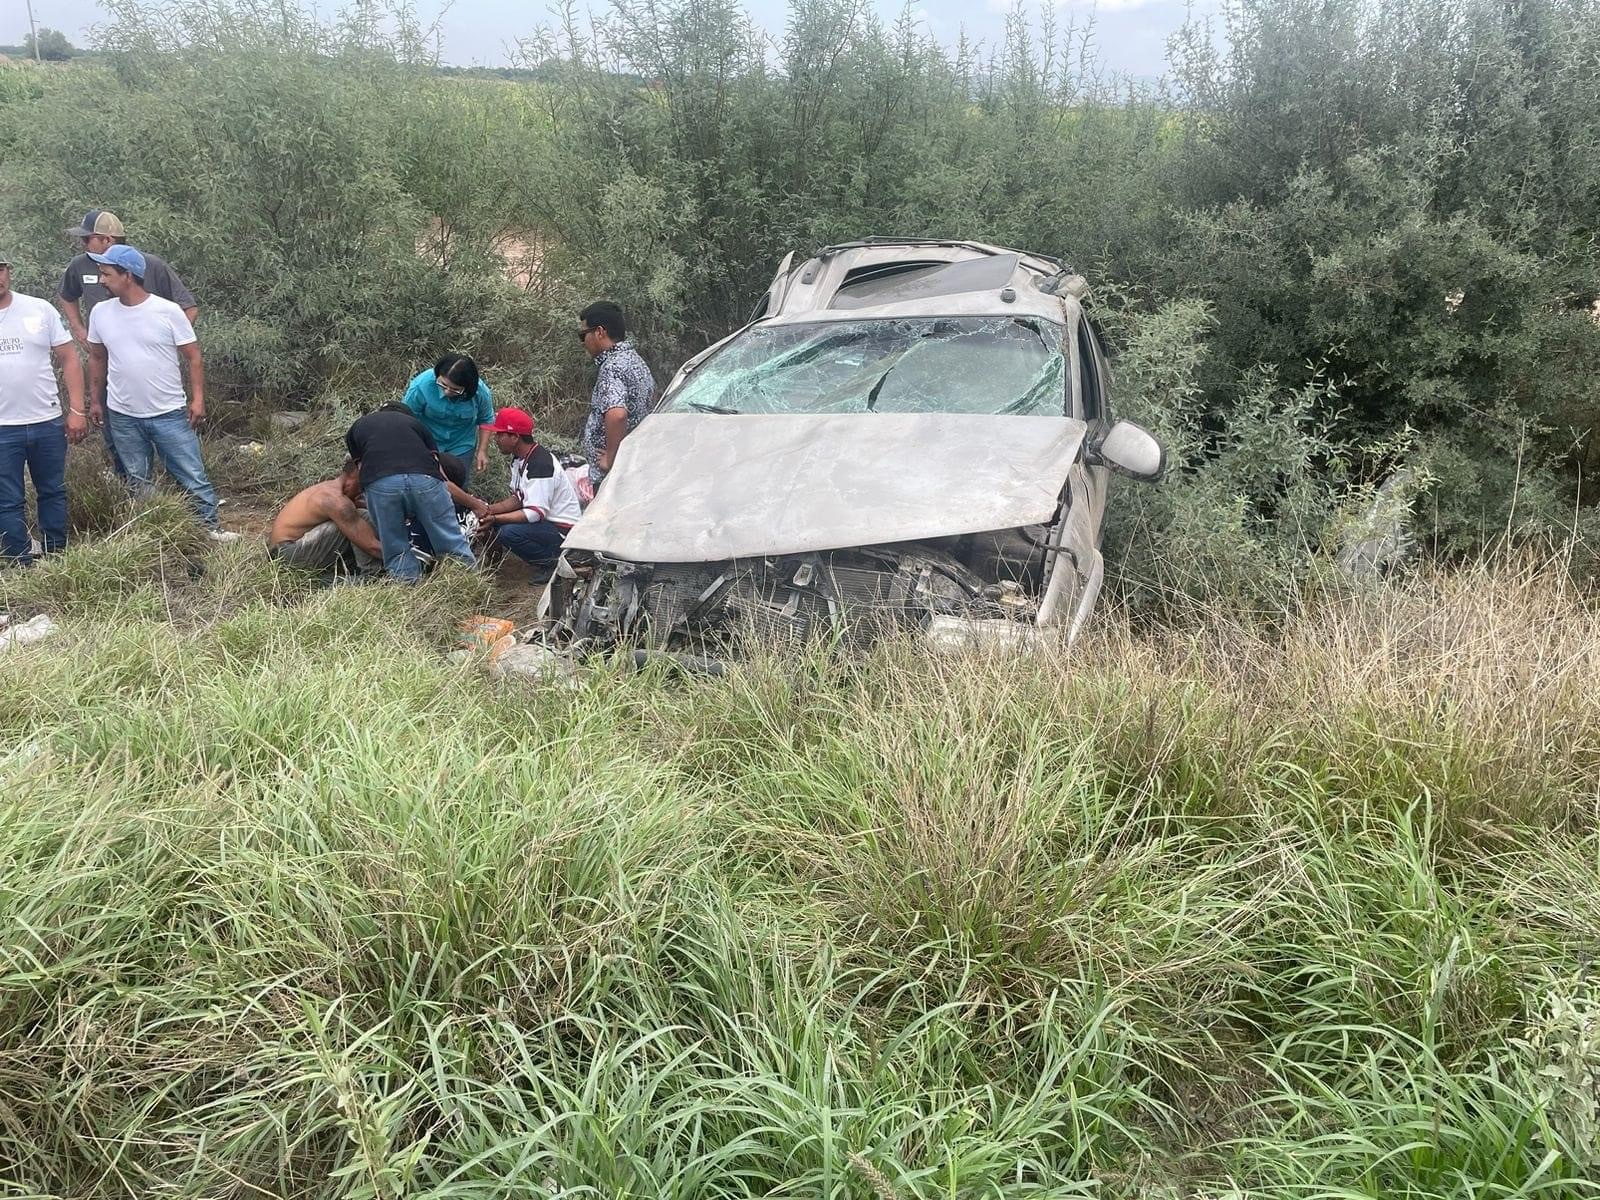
x=541, y=573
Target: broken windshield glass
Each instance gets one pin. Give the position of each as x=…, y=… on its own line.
x=997, y=365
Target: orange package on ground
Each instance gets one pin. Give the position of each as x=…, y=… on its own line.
x=491, y=634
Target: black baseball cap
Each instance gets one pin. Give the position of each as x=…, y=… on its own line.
x=98, y=220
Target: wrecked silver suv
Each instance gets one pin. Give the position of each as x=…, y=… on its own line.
x=906, y=436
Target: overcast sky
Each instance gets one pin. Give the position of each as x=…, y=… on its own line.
x=1131, y=34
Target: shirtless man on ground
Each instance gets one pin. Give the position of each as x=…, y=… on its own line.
x=321, y=529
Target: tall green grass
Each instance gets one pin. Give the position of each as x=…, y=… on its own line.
x=292, y=906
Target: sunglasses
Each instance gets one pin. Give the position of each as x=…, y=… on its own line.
x=583, y=333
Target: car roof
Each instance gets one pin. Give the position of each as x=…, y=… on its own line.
x=881, y=277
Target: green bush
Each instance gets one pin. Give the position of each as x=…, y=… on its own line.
x=1384, y=214
x=328, y=204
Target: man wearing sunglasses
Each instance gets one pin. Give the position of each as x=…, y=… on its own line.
x=624, y=390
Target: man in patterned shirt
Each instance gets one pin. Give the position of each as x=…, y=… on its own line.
x=624, y=390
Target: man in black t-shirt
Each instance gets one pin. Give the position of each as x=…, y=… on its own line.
x=400, y=476
x=81, y=288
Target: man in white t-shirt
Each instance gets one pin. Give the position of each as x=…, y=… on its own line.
x=33, y=430
x=80, y=288
x=136, y=340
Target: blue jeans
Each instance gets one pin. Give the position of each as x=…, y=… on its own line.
x=111, y=453
x=534, y=542
x=419, y=535
x=42, y=448
x=138, y=439
x=421, y=499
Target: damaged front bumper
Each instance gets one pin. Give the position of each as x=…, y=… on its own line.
x=852, y=598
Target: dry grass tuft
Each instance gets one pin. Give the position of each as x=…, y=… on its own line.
x=293, y=907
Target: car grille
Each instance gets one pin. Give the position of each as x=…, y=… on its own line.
x=859, y=596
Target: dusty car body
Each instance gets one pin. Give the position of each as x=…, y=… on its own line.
x=907, y=436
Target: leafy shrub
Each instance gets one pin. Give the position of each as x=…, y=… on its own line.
x=1385, y=214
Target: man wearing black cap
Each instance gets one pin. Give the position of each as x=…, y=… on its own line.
x=34, y=431
x=81, y=285
x=81, y=288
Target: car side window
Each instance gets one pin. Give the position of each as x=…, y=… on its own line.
x=1103, y=367
x=1091, y=365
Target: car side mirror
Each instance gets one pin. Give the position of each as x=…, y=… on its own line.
x=1130, y=450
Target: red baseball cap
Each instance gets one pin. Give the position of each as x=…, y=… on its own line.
x=512, y=420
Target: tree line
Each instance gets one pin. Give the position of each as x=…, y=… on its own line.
x=1340, y=242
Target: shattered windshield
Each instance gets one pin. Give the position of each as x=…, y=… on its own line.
x=997, y=365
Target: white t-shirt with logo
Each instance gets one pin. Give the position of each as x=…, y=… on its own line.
x=545, y=489
x=141, y=340
x=29, y=327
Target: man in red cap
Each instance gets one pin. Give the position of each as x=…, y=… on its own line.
x=533, y=521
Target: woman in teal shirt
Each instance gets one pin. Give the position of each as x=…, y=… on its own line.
x=455, y=405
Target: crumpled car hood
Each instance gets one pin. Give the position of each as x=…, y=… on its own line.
x=704, y=487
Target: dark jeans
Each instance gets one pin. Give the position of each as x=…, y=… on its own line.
x=421, y=500
x=139, y=439
x=535, y=542
x=42, y=449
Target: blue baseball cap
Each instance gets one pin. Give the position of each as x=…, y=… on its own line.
x=126, y=257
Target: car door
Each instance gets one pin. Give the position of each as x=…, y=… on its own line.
x=1070, y=597
x=1094, y=393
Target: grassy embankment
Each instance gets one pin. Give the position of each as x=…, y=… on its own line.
x=290, y=906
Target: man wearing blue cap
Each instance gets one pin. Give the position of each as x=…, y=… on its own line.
x=136, y=384
x=80, y=287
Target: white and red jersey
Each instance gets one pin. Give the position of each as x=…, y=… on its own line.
x=544, y=489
